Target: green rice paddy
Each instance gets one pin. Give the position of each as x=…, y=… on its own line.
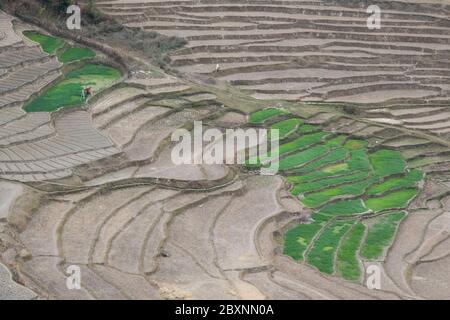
x=302, y=157
x=380, y=235
x=67, y=93
x=302, y=142
x=387, y=162
x=393, y=200
x=322, y=253
x=52, y=45
x=347, y=258
x=317, y=199
x=286, y=127
x=298, y=238
x=265, y=114
x=335, y=156
x=48, y=43
x=346, y=184
x=320, y=184
x=307, y=128
x=408, y=181
x=76, y=54
x=344, y=208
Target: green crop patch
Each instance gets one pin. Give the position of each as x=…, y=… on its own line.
x=315, y=175
x=68, y=92
x=302, y=142
x=299, y=238
x=358, y=160
x=76, y=54
x=346, y=183
x=334, y=169
x=380, y=235
x=355, y=144
x=320, y=184
x=387, y=162
x=336, y=142
x=347, y=260
x=336, y=155
x=48, y=43
x=393, y=200
x=286, y=127
x=308, y=128
x=322, y=253
x=408, y=181
x=265, y=114
x=51, y=44
x=317, y=199
x=344, y=208
x=302, y=157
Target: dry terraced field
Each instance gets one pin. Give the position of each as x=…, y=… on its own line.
x=96, y=187
x=314, y=51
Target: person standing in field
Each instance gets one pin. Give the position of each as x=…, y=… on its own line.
x=87, y=92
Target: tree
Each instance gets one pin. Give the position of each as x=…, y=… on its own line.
x=58, y=6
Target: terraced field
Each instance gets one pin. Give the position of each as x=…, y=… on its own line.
x=39, y=146
x=308, y=50
x=67, y=93
x=350, y=188
x=95, y=186
x=314, y=51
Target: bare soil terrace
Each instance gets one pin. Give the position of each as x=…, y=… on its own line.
x=96, y=186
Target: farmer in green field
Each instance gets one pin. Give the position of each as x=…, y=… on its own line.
x=86, y=93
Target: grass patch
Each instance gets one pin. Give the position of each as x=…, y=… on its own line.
x=48, y=43
x=393, y=200
x=76, y=54
x=322, y=254
x=67, y=93
x=380, y=235
x=347, y=260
